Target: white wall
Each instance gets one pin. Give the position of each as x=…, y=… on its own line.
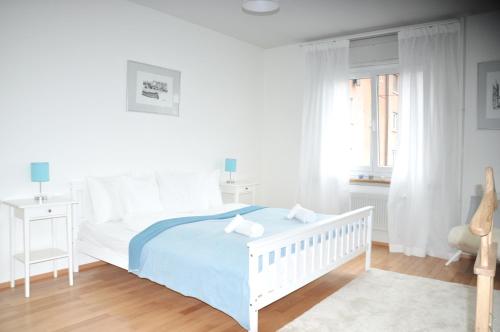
x=283, y=69
x=481, y=147
x=63, y=81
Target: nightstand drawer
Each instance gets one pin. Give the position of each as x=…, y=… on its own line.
x=238, y=190
x=232, y=189
x=244, y=189
x=47, y=211
x=247, y=188
x=42, y=212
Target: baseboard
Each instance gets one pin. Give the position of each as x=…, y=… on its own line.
x=386, y=245
x=48, y=275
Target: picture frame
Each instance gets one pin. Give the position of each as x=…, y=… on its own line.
x=488, y=95
x=152, y=89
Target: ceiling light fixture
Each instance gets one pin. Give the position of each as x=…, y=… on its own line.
x=261, y=7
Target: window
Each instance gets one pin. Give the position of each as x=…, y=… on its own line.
x=395, y=121
x=361, y=118
x=374, y=122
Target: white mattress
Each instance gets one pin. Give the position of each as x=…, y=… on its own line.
x=115, y=236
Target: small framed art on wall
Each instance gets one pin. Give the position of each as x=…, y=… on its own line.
x=152, y=89
x=488, y=95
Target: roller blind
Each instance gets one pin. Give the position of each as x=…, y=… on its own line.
x=373, y=51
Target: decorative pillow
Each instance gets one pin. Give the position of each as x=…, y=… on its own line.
x=105, y=197
x=141, y=195
x=182, y=192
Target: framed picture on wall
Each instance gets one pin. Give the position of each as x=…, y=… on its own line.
x=152, y=89
x=488, y=95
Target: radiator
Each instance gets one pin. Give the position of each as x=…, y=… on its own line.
x=359, y=200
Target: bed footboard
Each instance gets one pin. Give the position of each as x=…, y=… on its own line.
x=280, y=264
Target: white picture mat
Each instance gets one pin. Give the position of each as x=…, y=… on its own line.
x=150, y=97
x=486, y=116
x=491, y=79
x=165, y=98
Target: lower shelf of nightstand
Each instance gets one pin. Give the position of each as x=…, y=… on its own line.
x=42, y=255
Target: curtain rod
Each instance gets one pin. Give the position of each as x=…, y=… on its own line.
x=380, y=32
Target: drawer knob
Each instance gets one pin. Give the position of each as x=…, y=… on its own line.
x=246, y=188
x=50, y=210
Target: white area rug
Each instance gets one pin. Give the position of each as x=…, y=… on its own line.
x=388, y=301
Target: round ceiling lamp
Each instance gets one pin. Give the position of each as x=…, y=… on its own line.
x=261, y=7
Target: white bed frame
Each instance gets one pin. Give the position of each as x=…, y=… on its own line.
x=298, y=256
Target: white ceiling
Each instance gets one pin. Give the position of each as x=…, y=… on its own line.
x=304, y=20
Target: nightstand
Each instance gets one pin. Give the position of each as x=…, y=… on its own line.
x=239, y=188
x=29, y=211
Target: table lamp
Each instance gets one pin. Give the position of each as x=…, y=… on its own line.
x=40, y=173
x=230, y=166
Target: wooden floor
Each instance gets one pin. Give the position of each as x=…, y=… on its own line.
x=107, y=298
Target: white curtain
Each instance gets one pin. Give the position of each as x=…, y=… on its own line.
x=424, y=199
x=324, y=164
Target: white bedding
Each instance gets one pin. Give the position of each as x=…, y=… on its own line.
x=116, y=235
x=112, y=235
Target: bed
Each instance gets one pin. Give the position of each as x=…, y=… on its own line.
x=232, y=273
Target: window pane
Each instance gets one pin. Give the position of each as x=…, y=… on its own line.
x=361, y=117
x=388, y=118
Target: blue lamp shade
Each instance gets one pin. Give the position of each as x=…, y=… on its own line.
x=230, y=165
x=39, y=172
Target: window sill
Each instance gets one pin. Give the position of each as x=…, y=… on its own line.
x=375, y=181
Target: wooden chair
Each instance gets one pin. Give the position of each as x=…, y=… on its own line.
x=485, y=266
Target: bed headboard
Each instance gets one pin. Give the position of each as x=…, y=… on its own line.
x=79, y=193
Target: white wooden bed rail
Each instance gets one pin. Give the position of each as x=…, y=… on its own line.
x=280, y=264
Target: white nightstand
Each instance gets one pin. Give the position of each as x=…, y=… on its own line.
x=28, y=211
x=239, y=188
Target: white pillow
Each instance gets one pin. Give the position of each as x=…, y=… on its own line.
x=141, y=195
x=212, y=189
x=182, y=192
x=105, y=197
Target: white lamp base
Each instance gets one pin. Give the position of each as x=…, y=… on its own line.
x=41, y=197
x=230, y=181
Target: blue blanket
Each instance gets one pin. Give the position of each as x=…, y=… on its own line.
x=137, y=243
x=199, y=259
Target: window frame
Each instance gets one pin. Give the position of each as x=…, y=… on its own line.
x=373, y=72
